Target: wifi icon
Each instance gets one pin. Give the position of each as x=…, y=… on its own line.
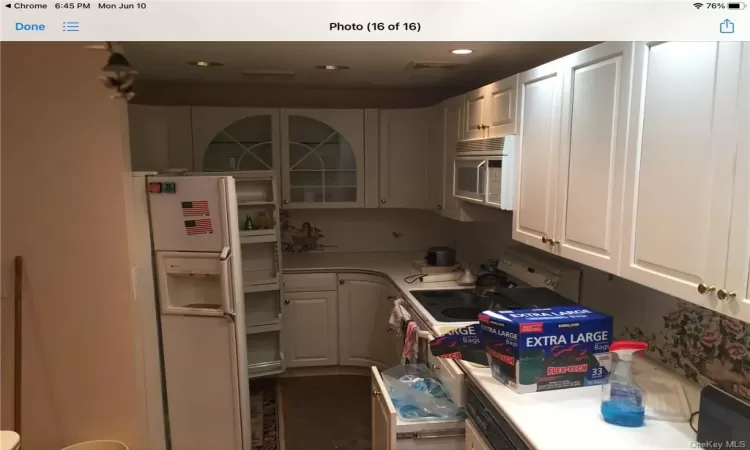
x=697, y=5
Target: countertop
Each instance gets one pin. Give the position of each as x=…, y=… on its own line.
x=566, y=419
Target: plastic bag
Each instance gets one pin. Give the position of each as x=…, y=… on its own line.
x=417, y=394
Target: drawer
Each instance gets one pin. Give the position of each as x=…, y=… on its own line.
x=305, y=282
x=451, y=376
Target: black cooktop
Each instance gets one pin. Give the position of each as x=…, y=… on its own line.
x=464, y=305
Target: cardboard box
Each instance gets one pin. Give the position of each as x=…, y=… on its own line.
x=532, y=350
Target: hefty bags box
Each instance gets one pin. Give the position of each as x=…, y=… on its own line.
x=532, y=350
x=462, y=343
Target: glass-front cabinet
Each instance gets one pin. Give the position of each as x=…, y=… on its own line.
x=322, y=158
x=235, y=139
x=318, y=154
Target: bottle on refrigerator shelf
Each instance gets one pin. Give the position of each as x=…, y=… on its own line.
x=248, y=223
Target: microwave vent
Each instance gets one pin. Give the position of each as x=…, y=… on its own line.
x=484, y=146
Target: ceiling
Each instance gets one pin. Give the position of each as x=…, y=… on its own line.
x=372, y=64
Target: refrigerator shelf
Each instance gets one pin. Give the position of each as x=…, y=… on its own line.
x=254, y=203
x=265, y=369
x=265, y=328
x=261, y=285
x=257, y=238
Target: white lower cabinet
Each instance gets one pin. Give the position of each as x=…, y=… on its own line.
x=311, y=327
x=364, y=310
x=474, y=439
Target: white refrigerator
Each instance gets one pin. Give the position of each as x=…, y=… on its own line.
x=198, y=265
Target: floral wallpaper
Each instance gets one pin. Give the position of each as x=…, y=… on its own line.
x=702, y=345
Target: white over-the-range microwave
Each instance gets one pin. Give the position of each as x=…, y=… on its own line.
x=483, y=171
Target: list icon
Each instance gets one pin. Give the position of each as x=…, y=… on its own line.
x=71, y=26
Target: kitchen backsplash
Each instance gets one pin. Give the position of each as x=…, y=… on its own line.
x=364, y=230
x=702, y=345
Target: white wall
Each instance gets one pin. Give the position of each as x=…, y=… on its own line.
x=372, y=230
x=64, y=210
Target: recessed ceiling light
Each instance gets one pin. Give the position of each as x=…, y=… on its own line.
x=461, y=51
x=205, y=63
x=331, y=67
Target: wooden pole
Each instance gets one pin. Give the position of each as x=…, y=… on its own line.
x=18, y=355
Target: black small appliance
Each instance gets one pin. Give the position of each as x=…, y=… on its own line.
x=723, y=419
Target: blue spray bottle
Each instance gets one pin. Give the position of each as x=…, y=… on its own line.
x=622, y=400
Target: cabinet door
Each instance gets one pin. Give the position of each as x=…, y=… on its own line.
x=453, y=123
x=474, y=120
x=323, y=154
x=537, y=161
x=682, y=145
x=435, y=160
x=403, y=158
x=596, y=96
x=383, y=414
x=364, y=311
x=738, y=267
x=234, y=139
x=160, y=137
x=500, y=114
x=310, y=329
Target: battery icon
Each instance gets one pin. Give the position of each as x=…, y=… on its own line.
x=736, y=6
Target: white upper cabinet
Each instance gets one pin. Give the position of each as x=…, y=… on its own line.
x=680, y=168
x=452, y=119
x=323, y=158
x=160, y=137
x=403, y=158
x=595, y=101
x=737, y=298
x=491, y=110
x=540, y=93
x=235, y=139
x=435, y=159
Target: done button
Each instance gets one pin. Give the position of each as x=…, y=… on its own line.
x=20, y=26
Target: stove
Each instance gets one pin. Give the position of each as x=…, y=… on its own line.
x=464, y=305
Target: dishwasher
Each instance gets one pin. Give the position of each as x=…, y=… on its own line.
x=390, y=431
x=488, y=422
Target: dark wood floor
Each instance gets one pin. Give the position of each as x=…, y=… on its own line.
x=326, y=412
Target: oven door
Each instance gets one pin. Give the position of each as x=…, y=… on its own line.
x=470, y=179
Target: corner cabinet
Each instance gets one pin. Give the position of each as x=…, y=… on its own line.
x=235, y=139
x=404, y=164
x=364, y=310
x=323, y=158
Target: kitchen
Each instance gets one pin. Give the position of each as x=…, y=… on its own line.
x=578, y=149
x=615, y=230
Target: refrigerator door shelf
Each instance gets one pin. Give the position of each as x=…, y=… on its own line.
x=197, y=284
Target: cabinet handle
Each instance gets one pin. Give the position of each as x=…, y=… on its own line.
x=286, y=202
x=286, y=302
x=704, y=289
x=479, y=127
x=546, y=240
x=554, y=242
x=439, y=207
x=376, y=393
x=434, y=367
x=725, y=295
x=382, y=200
x=341, y=281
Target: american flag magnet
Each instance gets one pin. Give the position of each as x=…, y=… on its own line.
x=195, y=208
x=198, y=226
